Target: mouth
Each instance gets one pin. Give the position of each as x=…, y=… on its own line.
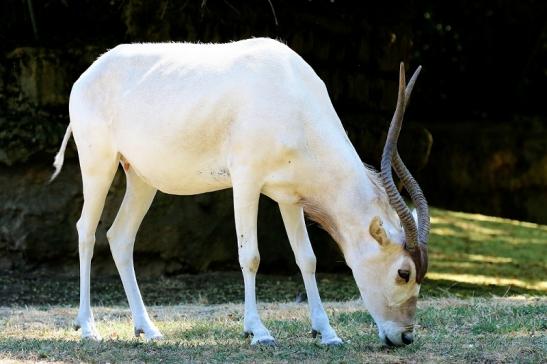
x=391, y=334
x=388, y=342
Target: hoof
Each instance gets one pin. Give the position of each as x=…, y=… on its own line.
x=89, y=331
x=245, y=334
x=93, y=336
x=153, y=335
x=335, y=341
x=266, y=341
x=330, y=340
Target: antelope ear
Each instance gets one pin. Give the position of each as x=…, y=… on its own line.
x=377, y=231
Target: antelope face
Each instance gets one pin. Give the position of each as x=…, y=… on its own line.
x=389, y=275
x=387, y=280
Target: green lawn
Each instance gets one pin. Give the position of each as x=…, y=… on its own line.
x=473, y=254
x=484, y=301
x=450, y=330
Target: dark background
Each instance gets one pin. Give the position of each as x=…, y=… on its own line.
x=480, y=100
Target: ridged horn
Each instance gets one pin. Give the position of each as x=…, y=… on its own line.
x=408, y=180
x=415, y=236
x=390, y=150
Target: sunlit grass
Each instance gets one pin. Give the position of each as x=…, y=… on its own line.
x=470, y=256
x=488, y=259
x=473, y=330
x=480, y=279
x=486, y=254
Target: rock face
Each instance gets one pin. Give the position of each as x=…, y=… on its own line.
x=489, y=166
x=179, y=234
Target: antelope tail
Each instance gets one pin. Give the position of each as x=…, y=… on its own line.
x=60, y=157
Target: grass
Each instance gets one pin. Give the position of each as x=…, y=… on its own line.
x=473, y=254
x=451, y=330
x=484, y=301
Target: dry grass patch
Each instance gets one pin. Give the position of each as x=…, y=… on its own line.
x=473, y=330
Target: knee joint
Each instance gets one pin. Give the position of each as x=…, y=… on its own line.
x=249, y=262
x=121, y=245
x=86, y=238
x=307, y=263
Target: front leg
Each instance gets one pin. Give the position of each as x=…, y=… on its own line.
x=293, y=218
x=246, y=198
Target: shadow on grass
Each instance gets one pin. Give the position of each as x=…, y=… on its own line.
x=470, y=255
x=501, y=256
x=170, y=352
x=496, y=330
x=214, y=288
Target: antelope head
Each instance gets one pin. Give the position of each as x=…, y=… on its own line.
x=389, y=274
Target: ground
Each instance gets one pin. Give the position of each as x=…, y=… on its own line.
x=484, y=300
x=451, y=330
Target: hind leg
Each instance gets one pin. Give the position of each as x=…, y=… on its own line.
x=97, y=175
x=121, y=236
x=246, y=196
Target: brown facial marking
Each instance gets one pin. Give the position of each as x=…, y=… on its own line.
x=408, y=308
x=405, y=312
x=126, y=166
x=419, y=257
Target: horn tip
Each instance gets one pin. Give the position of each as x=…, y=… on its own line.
x=402, y=77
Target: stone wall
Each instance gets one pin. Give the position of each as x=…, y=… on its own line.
x=179, y=233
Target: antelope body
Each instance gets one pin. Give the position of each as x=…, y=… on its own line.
x=251, y=115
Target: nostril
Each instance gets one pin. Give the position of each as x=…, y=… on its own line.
x=388, y=342
x=407, y=338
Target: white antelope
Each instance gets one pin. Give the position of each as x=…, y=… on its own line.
x=251, y=115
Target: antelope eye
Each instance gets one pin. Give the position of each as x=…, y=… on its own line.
x=404, y=274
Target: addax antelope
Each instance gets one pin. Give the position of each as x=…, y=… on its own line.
x=252, y=116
